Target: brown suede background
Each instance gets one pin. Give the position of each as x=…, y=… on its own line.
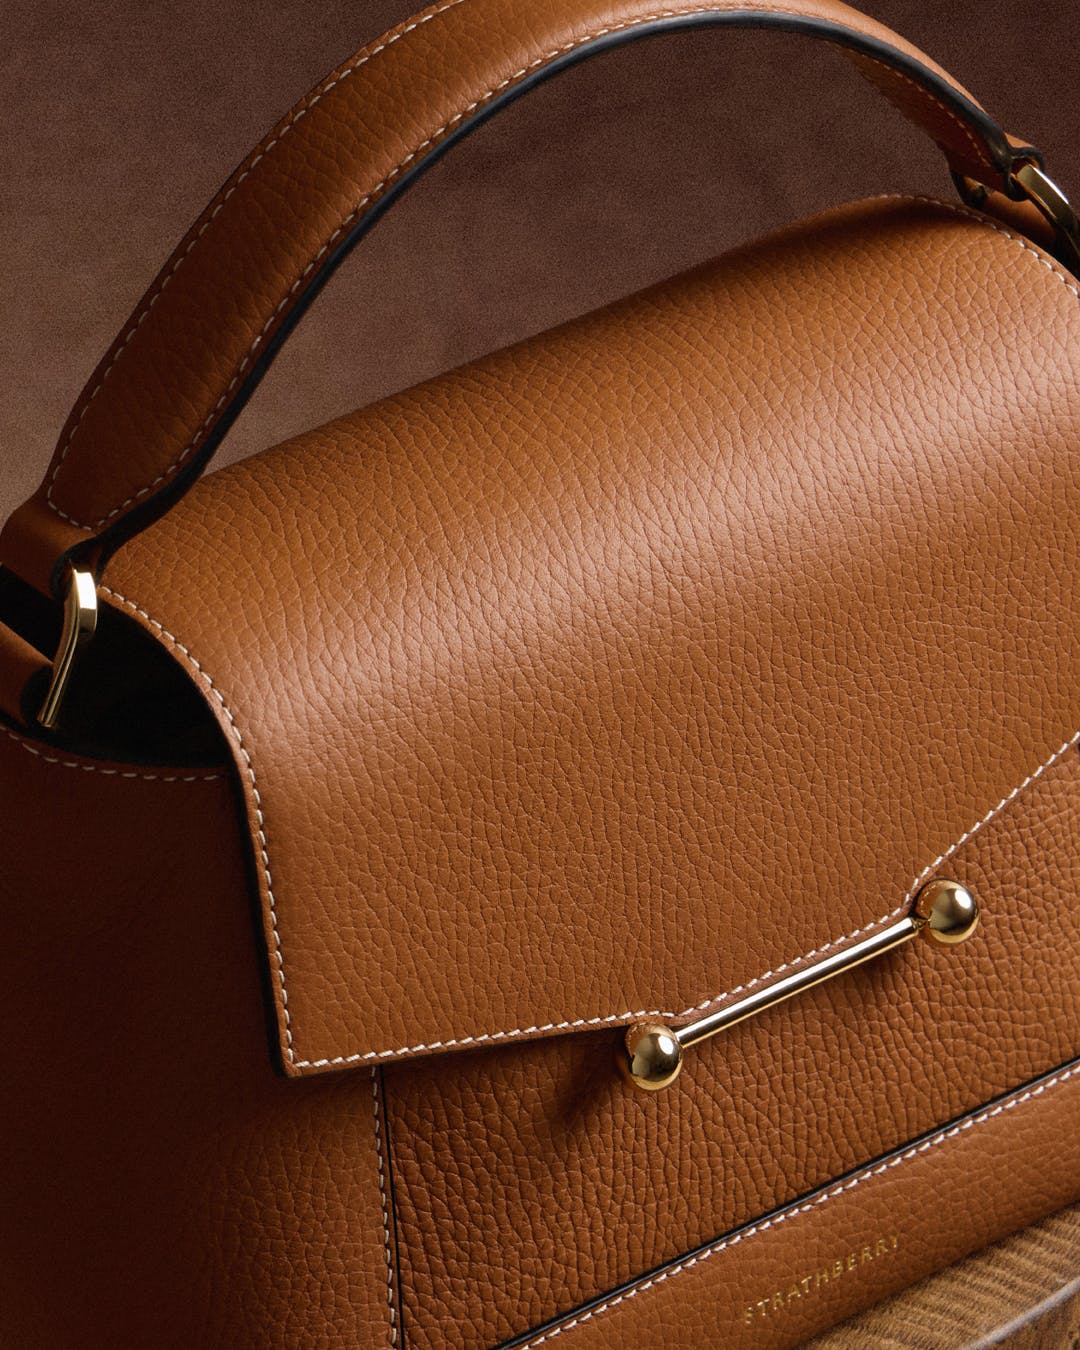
x=121, y=119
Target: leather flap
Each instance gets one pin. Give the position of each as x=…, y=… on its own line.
x=631, y=665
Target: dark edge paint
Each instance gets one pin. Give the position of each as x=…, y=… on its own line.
x=1002, y=154
x=806, y=1198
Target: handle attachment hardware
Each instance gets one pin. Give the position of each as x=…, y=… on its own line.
x=652, y=1054
x=1030, y=182
x=1044, y=193
x=80, y=621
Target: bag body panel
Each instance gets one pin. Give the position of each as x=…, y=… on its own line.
x=193, y=1196
x=564, y=1183
x=536, y=676
x=690, y=792
x=805, y=1268
x=610, y=677
x=163, y=1184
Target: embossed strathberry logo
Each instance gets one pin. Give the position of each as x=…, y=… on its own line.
x=806, y=1286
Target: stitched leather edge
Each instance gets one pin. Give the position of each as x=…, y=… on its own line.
x=211, y=214
x=612, y=1019
x=950, y=113
x=361, y=208
x=702, y=1255
x=88, y=766
x=391, y=1301
x=264, y=857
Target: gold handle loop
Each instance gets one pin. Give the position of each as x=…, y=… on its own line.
x=1033, y=184
x=80, y=620
x=1044, y=193
x=652, y=1054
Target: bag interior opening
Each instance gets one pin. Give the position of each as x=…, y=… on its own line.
x=128, y=700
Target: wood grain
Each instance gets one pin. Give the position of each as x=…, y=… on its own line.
x=1022, y=1293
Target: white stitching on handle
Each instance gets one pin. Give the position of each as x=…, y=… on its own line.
x=950, y=113
x=934, y=1140
x=347, y=223
x=213, y=211
x=493, y=1037
x=385, y=1208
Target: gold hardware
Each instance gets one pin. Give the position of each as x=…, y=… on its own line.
x=1033, y=184
x=80, y=620
x=949, y=912
x=652, y=1054
x=1044, y=193
x=794, y=1289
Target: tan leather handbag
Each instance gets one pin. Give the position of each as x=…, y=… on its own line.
x=585, y=850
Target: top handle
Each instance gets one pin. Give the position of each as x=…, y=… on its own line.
x=192, y=353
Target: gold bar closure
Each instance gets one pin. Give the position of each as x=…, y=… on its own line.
x=652, y=1054
x=80, y=620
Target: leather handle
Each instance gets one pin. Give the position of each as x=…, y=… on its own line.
x=201, y=338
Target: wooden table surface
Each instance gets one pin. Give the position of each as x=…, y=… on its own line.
x=1023, y=1293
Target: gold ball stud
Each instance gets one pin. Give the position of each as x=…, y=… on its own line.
x=653, y=1056
x=949, y=911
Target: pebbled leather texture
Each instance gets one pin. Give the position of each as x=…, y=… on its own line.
x=162, y=1185
x=934, y=1199
x=546, y=678
x=190, y=354
x=180, y=1193
x=618, y=671
x=772, y=1110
